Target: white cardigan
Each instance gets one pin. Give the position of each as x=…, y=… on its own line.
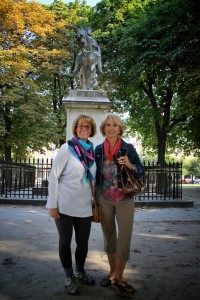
x=67, y=190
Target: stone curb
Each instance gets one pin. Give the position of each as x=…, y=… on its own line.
x=138, y=203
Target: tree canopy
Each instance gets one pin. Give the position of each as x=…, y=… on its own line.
x=151, y=65
x=37, y=58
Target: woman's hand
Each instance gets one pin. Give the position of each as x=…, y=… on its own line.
x=123, y=160
x=54, y=213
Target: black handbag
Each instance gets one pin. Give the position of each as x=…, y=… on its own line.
x=131, y=184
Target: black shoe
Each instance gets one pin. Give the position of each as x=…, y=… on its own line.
x=106, y=281
x=123, y=287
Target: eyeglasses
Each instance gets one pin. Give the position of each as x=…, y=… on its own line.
x=87, y=127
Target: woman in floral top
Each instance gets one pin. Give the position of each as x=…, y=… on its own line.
x=116, y=207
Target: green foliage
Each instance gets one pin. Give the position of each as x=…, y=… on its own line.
x=26, y=118
x=151, y=63
x=191, y=167
x=152, y=59
x=37, y=59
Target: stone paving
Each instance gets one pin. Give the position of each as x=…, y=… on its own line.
x=164, y=262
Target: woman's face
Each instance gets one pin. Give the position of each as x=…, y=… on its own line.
x=112, y=129
x=83, y=129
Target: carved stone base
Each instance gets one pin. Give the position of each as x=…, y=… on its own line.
x=90, y=102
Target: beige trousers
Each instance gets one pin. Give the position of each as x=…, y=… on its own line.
x=117, y=226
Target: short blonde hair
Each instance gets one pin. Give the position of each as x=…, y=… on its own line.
x=115, y=118
x=88, y=120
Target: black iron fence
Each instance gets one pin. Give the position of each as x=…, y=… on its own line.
x=29, y=180
x=24, y=179
x=162, y=181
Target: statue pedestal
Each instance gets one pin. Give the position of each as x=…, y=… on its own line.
x=90, y=102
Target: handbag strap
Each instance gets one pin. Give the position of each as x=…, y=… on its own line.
x=93, y=194
x=125, y=153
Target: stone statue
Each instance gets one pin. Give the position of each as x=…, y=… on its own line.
x=88, y=61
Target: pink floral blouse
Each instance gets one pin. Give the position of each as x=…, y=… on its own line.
x=109, y=190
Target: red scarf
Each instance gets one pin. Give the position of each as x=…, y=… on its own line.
x=114, y=151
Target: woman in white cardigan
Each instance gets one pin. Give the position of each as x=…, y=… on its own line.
x=69, y=199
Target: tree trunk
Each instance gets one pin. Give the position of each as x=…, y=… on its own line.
x=162, y=180
x=162, y=139
x=7, y=153
x=164, y=105
x=8, y=127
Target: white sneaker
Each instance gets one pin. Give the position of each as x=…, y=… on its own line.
x=71, y=285
x=85, y=277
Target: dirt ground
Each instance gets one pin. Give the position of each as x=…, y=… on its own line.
x=164, y=262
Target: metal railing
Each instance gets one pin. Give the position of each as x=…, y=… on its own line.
x=162, y=181
x=28, y=179
x=24, y=179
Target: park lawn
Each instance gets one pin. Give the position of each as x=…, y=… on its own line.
x=190, y=185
